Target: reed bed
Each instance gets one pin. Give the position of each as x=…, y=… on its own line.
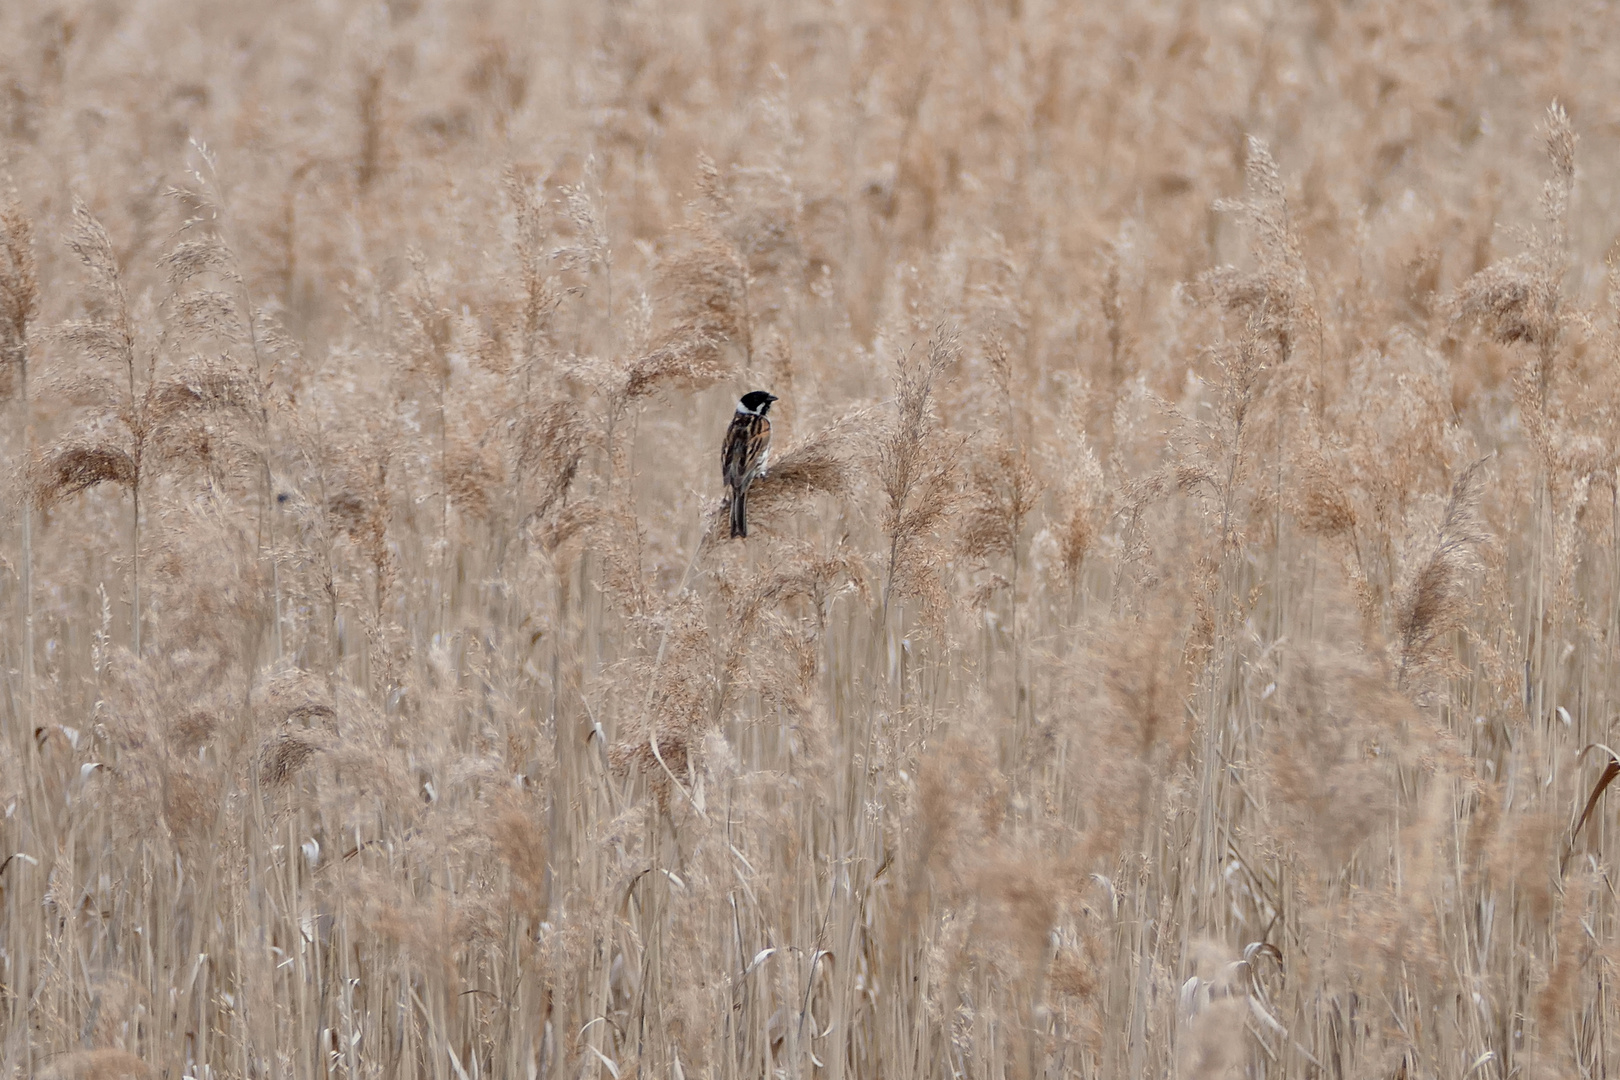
x=1177, y=636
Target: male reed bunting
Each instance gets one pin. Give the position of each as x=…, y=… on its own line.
x=746, y=452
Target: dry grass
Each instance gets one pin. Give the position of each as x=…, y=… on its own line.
x=1179, y=635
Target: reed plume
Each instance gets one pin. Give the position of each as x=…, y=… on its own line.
x=916, y=471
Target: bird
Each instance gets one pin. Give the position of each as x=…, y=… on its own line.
x=746, y=452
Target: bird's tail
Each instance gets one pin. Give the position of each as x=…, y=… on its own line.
x=739, y=513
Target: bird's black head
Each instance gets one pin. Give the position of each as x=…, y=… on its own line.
x=757, y=402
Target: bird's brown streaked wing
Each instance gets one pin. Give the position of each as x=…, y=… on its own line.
x=743, y=446
x=734, y=451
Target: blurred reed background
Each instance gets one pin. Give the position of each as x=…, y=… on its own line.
x=1173, y=641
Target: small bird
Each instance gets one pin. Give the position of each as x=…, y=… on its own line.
x=746, y=452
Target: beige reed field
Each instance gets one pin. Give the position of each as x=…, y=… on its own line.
x=1176, y=637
